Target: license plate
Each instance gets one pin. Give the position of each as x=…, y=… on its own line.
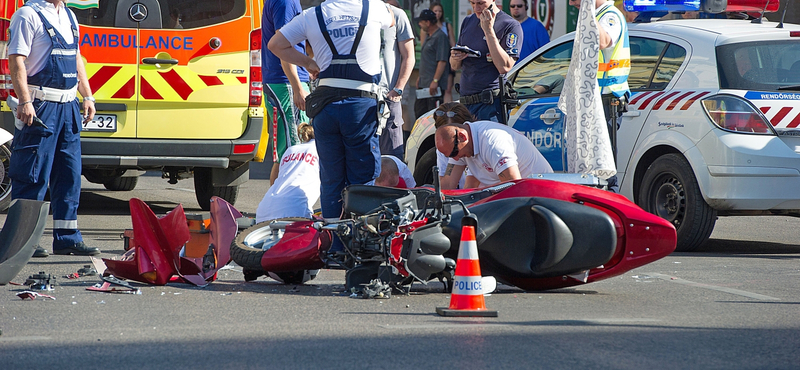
x=102, y=122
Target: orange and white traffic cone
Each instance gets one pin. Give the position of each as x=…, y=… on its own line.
x=467, y=296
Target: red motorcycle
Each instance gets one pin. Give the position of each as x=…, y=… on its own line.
x=533, y=234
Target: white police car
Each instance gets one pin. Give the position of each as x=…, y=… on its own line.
x=713, y=127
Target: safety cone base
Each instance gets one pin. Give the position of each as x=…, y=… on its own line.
x=444, y=311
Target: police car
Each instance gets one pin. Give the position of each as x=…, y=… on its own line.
x=712, y=128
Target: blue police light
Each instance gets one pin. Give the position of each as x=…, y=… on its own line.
x=709, y=6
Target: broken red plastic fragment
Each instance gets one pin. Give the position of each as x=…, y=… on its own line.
x=155, y=256
x=32, y=295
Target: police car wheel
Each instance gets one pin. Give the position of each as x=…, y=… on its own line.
x=669, y=190
x=423, y=170
x=5, y=181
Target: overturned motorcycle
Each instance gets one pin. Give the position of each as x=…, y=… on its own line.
x=533, y=234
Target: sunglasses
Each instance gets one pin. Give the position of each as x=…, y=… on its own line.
x=454, y=153
x=516, y=6
x=450, y=114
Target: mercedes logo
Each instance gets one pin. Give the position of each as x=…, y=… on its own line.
x=138, y=12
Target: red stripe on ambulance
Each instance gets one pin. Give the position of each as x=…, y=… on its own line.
x=678, y=99
x=102, y=76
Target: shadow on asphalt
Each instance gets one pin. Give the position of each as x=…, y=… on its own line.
x=95, y=203
x=716, y=247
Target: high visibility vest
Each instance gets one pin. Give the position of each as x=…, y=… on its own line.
x=613, y=70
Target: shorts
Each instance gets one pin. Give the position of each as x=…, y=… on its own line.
x=279, y=128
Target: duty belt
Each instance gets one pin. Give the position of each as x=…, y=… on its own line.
x=342, y=83
x=476, y=98
x=51, y=94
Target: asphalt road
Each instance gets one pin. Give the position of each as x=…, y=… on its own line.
x=735, y=304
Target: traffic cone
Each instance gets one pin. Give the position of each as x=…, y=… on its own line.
x=467, y=296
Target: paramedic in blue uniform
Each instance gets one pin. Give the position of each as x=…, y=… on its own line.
x=47, y=70
x=497, y=37
x=346, y=39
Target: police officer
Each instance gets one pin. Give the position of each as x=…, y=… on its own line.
x=346, y=39
x=613, y=67
x=497, y=38
x=46, y=70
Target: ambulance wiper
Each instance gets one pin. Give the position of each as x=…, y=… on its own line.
x=792, y=87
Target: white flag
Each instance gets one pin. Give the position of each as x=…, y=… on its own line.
x=585, y=130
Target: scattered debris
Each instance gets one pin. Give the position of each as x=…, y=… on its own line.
x=376, y=289
x=32, y=295
x=111, y=284
x=41, y=281
x=86, y=270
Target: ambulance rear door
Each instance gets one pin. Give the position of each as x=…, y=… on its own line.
x=110, y=54
x=193, y=68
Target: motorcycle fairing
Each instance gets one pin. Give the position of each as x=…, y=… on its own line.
x=156, y=254
x=641, y=236
x=299, y=249
x=537, y=237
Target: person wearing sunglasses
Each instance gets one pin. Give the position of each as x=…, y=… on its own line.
x=493, y=152
x=453, y=112
x=534, y=35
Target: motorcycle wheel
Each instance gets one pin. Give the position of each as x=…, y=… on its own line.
x=249, y=246
x=670, y=191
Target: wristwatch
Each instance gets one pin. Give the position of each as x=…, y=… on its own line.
x=89, y=98
x=398, y=91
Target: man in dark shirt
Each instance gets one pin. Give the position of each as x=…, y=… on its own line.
x=433, y=62
x=496, y=37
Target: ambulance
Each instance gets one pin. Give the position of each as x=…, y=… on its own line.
x=178, y=89
x=713, y=123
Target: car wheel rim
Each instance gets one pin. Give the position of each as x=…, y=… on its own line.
x=669, y=199
x=263, y=238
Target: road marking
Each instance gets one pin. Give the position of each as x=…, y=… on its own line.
x=743, y=293
x=469, y=324
x=22, y=339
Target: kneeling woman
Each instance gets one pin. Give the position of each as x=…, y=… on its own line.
x=297, y=187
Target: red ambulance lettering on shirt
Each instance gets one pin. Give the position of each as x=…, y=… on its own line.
x=301, y=157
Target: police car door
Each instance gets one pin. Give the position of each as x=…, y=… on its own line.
x=110, y=56
x=193, y=67
x=538, y=117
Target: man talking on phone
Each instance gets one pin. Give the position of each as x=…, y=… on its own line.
x=493, y=39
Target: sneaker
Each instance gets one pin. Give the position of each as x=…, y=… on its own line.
x=80, y=249
x=40, y=252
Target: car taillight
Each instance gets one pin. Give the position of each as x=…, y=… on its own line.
x=244, y=148
x=5, y=74
x=733, y=113
x=255, y=86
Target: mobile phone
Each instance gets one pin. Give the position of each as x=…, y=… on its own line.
x=491, y=6
x=38, y=122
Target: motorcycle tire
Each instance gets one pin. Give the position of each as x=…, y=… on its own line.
x=249, y=257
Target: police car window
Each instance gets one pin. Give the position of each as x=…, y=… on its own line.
x=668, y=65
x=183, y=14
x=763, y=65
x=547, y=69
x=644, y=58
